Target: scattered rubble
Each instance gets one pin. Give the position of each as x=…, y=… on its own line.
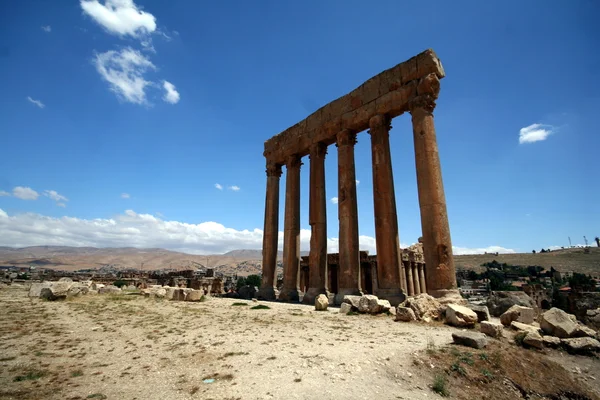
x=470, y=339
x=558, y=323
x=491, y=329
x=460, y=316
x=525, y=315
x=321, y=302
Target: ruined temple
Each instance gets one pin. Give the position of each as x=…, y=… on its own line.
x=411, y=86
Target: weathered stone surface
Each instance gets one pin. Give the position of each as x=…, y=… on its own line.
x=592, y=318
x=524, y=315
x=471, y=339
x=353, y=301
x=78, y=289
x=491, y=329
x=557, y=323
x=534, y=339
x=109, y=289
x=65, y=279
x=581, y=345
x=155, y=291
x=483, y=313
x=345, y=308
x=36, y=288
x=248, y=292
x=584, y=331
x=405, y=314
x=194, y=295
x=518, y=326
x=56, y=291
x=392, y=311
x=460, y=316
x=551, y=341
x=321, y=303
x=387, y=93
x=499, y=302
x=424, y=306
x=370, y=304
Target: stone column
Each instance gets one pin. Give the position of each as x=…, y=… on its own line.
x=415, y=274
x=437, y=245
x=409, y=279
x=386, y=220
x=422, y=278
x=349, y=258
x=268, y=289
x=317, y=263
x=291, y=233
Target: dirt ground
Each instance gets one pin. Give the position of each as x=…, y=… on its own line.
x=130, y=347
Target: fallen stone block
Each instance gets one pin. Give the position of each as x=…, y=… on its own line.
x=405, y=314
x=475, y=340
x=584, y=331
x=551, y=341
x=556, y=322
x=581, y=345
x=460, y=316
x=194, y=295
x=524, y=327
x=483, y=314
x=424, y=306
x=352, y=300
x=321, y=302
x=491, y=329
x=534, y=339
x=345, y=308
x=524, y=315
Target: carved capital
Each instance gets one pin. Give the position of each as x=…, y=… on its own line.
x=380, y=123
x=293, y=161
x=273, y=169
x=429, y=84
x=425, y=102
x=346, y=138
x=318, y=151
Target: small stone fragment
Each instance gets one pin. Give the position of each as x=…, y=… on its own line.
x=491, y=329
x=475, y=340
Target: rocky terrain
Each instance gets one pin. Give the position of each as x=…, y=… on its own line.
x=129, y=346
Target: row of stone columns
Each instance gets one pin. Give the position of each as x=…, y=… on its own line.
x=414, y=278
x=392, y=281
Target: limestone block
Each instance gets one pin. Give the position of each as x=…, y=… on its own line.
x=476, y=340
x=345, y=308
x=483, y=314
x=36, y=288
x=491, y=329
x=352, y=300
x=194, y=295
x=424, y=306
x=551, y=341
x=369, y=304
x=534, y=339
x=524, y=315
x=460, y=316
x=557, y=323
x=405, y=314
x=518, y=326
x=581, y=345
x=321, y=302
x=584, y=331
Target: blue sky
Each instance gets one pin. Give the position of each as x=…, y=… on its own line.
x=96, y=151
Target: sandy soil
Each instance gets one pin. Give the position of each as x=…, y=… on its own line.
x=130, y=347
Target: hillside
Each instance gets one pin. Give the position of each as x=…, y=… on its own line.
x=246, y=261
x=563, y=260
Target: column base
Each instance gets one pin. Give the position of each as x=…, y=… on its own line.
x=290, y=295
x=395, y=296
x=312, y=293
x=447, y=296
x=267, y=293
x=339, y=296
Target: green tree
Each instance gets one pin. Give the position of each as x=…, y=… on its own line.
x=240, y=282
x=253, y=280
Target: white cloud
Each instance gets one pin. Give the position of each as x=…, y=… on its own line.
x=357, y=182
x=25, y=193
x=120, y=17
x=535, y=133
x=36, y=102
x=124, y=72
x=4, y=193
x=334, y=200
x=54, y=195
x=125, y=195
x=171, y=95
x=219, y=186
x=131, y=229
x=60, y=204
x=234, y=188
x=47, y=28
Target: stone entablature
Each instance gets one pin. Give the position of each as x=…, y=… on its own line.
x=387, y=93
